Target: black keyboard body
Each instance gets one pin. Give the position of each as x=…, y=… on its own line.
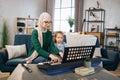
x=67, y=65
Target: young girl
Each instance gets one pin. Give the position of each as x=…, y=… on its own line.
x=43, y=47
x=58, y=40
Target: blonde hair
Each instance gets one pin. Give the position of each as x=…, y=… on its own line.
x=56, y=33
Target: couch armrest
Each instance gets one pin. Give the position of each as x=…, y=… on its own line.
x=112, y=60
x=104, y=53
x=3, y=56
x=113, y=55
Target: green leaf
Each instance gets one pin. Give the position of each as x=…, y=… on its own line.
x=4, y=34
x=70, y=21
x=87, y=58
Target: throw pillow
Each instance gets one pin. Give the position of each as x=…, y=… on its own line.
x=16, y=51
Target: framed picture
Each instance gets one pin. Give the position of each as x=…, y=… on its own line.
x=95, y=28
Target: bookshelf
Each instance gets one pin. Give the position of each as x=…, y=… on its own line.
x=112, y=39
x=95, y=20
x=25, y=25
x=95, y=23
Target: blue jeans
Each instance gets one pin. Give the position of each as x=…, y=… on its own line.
x=39, y=59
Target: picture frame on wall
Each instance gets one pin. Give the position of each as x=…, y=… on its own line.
x=95, y=28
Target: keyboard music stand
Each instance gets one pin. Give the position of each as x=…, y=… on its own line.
x=73, y=54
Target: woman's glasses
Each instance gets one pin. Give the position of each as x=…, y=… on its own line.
x=47, y=22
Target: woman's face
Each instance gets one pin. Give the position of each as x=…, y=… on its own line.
x=46, y=24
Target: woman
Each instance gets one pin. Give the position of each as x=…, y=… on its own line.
x=43, y=47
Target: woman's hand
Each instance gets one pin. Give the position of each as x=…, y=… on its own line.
x=54, y=58
x=61, y=54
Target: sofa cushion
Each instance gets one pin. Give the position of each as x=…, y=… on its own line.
x=15, y=62
x=16, y=51
x=23, y=39
x=107, y=61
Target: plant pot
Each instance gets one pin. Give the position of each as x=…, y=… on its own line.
x=70, y=30
x=87, y=63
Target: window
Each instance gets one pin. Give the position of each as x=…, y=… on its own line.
x=63, y=9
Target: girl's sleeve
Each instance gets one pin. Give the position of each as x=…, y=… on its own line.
x=37, y=45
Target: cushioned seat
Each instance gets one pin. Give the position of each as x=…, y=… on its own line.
x=110, y=59
x=15, y=62
x=105, y=59
x=8, y=65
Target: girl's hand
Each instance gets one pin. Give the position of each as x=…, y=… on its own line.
x=54, y=58
x=61, y=54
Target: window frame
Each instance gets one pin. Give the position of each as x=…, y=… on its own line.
x=60, y=20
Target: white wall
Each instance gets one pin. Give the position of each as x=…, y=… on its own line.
x=112, y=16
x=10, y=9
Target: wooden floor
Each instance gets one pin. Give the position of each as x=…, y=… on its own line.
x=4, y=76
x=117, y=71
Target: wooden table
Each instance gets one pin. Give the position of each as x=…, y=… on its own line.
x=21, y=73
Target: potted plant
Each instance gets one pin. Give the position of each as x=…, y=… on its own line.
x=87, y=61
x=71, y=23
x=4, y=34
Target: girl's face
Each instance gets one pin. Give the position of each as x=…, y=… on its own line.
x=59, y=38
x=46, y=24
